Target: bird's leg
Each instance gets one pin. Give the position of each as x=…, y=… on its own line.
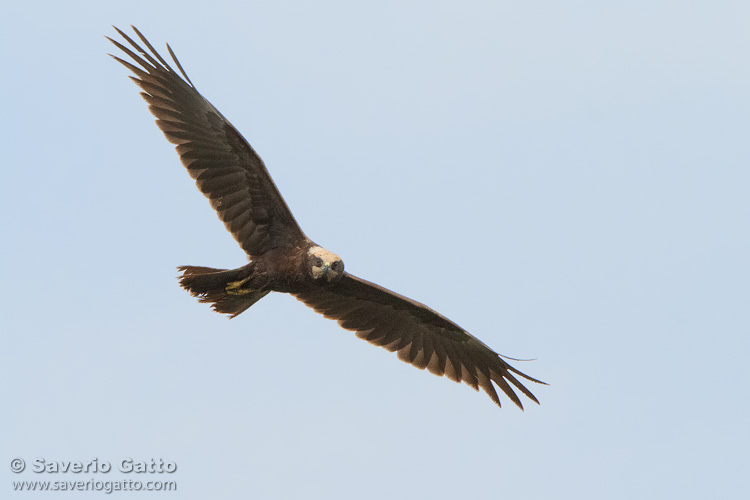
x=235, y=287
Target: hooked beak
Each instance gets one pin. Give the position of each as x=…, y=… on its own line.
x=328, y=273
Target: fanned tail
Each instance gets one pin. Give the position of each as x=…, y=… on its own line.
x=226, y=290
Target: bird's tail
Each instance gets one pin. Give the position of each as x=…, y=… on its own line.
x=226, y=290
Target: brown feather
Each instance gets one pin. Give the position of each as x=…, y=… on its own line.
x=226, y=168
x=419, y=335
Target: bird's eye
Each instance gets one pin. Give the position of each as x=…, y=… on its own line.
x=318, y=262
x=335, y=266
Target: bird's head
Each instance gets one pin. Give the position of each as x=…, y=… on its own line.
x=325, y=265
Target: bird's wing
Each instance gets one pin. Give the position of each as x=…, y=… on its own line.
x=420, y=335
x=225, y=167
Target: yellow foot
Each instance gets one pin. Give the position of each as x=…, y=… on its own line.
x=234, y=287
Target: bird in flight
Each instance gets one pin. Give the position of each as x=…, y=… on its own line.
x=282, y=258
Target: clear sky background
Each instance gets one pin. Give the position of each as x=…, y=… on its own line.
x=567, y=180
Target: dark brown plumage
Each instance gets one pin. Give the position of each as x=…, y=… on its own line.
x=282, y=259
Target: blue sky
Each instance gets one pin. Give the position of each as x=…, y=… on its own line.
x=568, y=181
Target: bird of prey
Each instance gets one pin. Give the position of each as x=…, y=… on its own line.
x=282, y=258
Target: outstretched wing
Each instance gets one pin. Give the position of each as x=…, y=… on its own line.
x=225, y=167
x=420, y=335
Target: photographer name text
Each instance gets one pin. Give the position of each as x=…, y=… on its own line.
x=126, y=466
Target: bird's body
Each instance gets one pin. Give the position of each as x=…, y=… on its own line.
x=282, y=258
x=286, y=270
